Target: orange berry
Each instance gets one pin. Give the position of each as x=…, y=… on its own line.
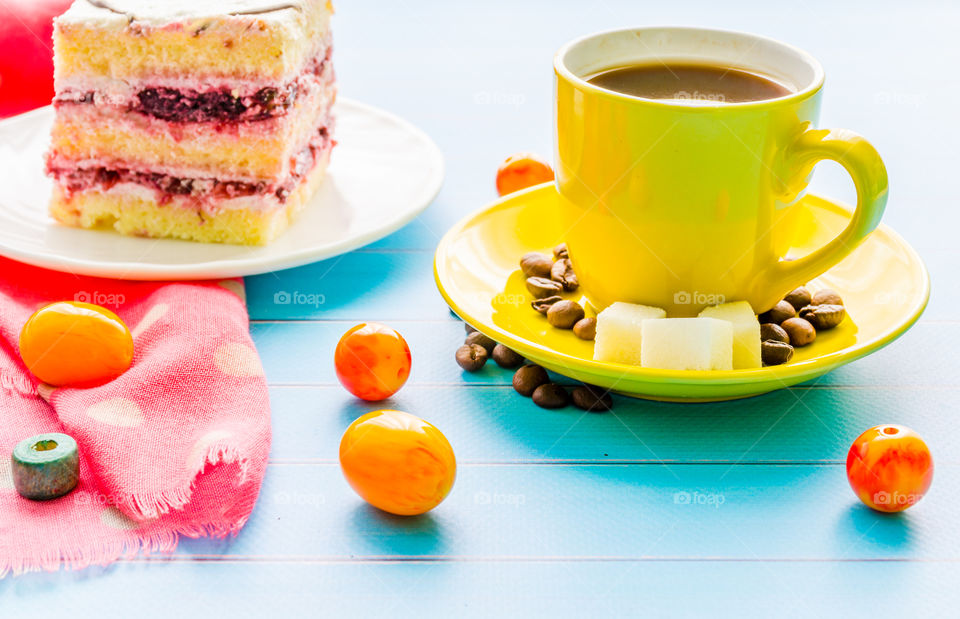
x=889, y=467
x=397, y=462
x=520, y=171
x=372, y=361
x=75, y=344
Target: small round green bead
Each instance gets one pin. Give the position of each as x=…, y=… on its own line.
x=45, y=466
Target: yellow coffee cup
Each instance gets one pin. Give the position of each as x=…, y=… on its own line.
x=682, y=204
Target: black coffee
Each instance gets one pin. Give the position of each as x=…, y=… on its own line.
x=700, y=82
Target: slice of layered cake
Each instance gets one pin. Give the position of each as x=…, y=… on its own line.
x=206, y=120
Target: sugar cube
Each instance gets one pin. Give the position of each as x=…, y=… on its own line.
x=619, y=332
x=746, y=332
x=687, y=344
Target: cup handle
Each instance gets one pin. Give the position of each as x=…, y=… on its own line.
x=863, y=163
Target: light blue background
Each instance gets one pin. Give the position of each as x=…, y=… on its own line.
x=563, y=513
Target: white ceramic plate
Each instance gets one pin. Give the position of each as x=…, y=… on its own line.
x=383, y=173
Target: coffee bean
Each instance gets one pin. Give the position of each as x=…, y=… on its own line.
x=778, y=313
x=551, y=395
x=536, y=264
x=774, y=352
x=471, y=357
x=505, y=357
x=591, y=398
x=481, y=340
x=823, y=317
x=564, y=314
x=586, y=328
x=800, y=331
x=541, y=287
x=528, y=378
x=562, y=272
x=770, y=331
x=798, y=298
x=826, y=296
x=560, y=252
x=542, y=305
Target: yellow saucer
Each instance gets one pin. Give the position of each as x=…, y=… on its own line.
x=884, y=285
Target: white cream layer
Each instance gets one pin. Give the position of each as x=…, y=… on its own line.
x=117, y=13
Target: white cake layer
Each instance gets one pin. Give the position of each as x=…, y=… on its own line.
x=210, y=39
x=112, y=13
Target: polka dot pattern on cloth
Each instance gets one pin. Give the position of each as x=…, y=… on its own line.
x=45, y=391
x=235, y=287
x=6, y=475
x=114, y=518
x=199, y=451
x=235, y=359
x=177, y=445
x=119, y=412
x=156, y=313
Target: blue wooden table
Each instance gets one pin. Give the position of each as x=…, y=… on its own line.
x=738, y=508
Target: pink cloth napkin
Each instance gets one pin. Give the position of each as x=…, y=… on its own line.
x=177, y=445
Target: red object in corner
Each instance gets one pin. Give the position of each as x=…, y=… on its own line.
x=26, y=53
